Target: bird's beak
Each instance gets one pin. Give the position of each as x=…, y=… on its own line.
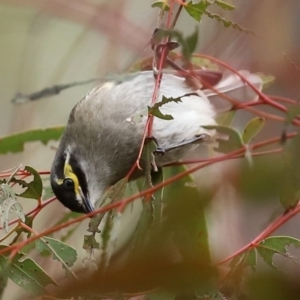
x=88, y=207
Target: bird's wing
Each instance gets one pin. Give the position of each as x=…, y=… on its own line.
x=234, y=87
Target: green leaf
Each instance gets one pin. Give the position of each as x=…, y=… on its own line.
x=244, y=260
x=148, y=159
x=233, y=142
x=227, y=23
x=191, y=44
x=9, y=203
x=196, y=10
x=262, y=181
x=158, y=196
x=188, y=44
x=15, y=142
x=289, y=193
x=276, y=245
x=162, y=5
x=47, y=190
x=224, y=5
x=253, y=127
x=157, y=113
x=34, y=189
x=226, y=118
x=115, y=193
x=28, y=221
x=292, y=113
x=185, y=217
x=251, y=259
x=239, y=266
x=26, y=273
x=154, y=110
x=90, y=242
x=60, y=251
x=267, y=80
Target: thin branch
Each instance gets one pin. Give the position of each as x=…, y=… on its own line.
x=282, y=219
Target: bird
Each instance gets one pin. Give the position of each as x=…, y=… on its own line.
x=101, y=140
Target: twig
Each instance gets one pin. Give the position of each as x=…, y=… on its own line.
x=282, y=219
x=20, y=98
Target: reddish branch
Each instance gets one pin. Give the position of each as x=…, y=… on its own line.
x=124, y=202
x=282, y=219
x=264, y=99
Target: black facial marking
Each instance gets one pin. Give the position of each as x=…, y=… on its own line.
x=65, y=192
x=80, y=175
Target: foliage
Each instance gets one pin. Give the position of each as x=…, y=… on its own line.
x=169, y=255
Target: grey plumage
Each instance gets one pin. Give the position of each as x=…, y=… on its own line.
x=104, y=142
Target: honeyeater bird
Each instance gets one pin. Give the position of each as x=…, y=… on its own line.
x=102, y=139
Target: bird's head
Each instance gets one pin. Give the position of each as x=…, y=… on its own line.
x=71, y=182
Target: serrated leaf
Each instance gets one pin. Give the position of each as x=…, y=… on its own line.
x=162, y=5
x=157, y=113
x=149, y=158
x=226, y=23
x=90, y=242
x=27, y=274
x=232, y=142
x=252, y=128
x=153, y=176
x=15, y=142
x=9, y=202
x=225, y=5
x=154, y=110
x=276, y=245
x=115, y=193
x=226, y=118
x=60, y=251
x=292, y=113
x=196, y=10
x=34, y=189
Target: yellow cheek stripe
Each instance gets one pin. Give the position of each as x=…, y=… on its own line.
x=68, y=172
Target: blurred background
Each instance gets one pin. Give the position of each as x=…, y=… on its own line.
x=48, y=42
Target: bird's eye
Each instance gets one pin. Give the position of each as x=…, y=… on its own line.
x=68, y=182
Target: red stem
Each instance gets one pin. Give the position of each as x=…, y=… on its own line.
x=267, y=232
